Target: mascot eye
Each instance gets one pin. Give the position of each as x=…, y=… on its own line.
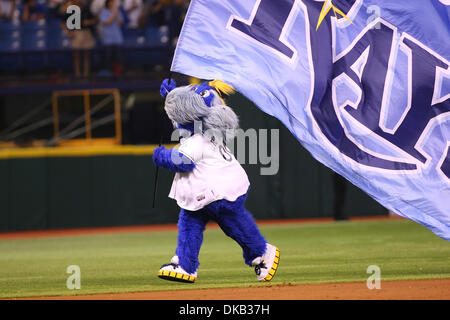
x=205, y=93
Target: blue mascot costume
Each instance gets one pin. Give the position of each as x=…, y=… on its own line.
x=209, y=182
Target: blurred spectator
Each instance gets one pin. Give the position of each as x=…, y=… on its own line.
x=133, y=8
x=82, y=40
x=159, y=13
x=33, y=11
x=7, y=8
x=111, y=19
x=53, y=8
x=175, y=17
x=103, y=22
x=98, y=5
x=153, y=13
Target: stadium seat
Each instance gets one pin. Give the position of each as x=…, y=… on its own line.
x=58, y=44
x=9, y=36
x=56, y=38
x=157, y=36
x=133, y=37
x=43, y=45
x=8, y=26
x=33, y=35
x=10, y=45
x=138, y=42
x=34, y=44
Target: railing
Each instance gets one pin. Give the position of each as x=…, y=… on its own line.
x=64, y=136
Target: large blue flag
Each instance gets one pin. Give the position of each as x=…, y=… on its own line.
x=364, y=85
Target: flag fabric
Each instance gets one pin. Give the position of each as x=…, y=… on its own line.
x=364, y=85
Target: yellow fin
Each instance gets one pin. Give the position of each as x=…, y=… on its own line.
x=222, y=87
x=194, y=80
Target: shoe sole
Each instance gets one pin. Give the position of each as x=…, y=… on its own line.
x=175, y=276
x=274, y=267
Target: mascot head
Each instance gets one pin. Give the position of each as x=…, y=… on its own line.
x=202, y=103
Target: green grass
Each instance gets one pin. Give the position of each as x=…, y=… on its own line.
x=310, y=253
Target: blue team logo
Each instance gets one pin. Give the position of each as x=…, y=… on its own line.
x=380, y=96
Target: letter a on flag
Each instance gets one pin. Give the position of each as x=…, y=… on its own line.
x=364, y=85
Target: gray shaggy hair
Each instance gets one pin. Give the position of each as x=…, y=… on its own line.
x=184, y=106
x=221, y=122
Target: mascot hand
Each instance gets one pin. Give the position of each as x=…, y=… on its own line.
x=166, y=87
x=157, y=154
x=172, y=159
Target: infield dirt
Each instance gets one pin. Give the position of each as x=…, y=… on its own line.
x=438, y=289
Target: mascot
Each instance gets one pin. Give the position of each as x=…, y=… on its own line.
x=209, y=182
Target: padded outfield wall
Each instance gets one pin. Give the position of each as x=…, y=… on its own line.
x=55, y=188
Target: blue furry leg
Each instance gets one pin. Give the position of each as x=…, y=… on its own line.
x=191, y=225
x=238, y=223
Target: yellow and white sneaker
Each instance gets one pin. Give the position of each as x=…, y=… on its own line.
x=173, y=272
x=267, y=264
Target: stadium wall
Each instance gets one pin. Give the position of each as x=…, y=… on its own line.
x=52, y=188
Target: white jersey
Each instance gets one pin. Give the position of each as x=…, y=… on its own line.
x=217, y=175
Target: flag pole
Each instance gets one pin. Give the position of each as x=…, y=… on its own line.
x=155, y=185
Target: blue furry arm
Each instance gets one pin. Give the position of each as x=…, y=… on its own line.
x=172, y=159
x=167, y=86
